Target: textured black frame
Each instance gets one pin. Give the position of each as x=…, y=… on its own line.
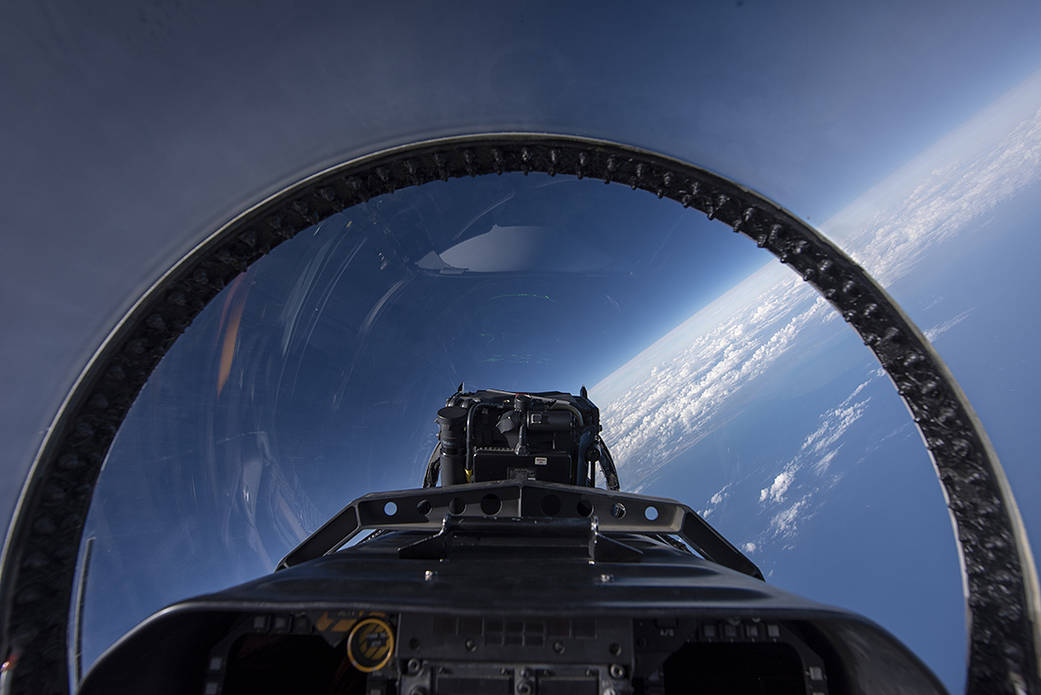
x=39, y=560
x=520, y=499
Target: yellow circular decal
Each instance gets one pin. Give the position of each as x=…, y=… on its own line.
x=370, y=644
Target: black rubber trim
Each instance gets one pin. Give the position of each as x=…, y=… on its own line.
x=40, y=554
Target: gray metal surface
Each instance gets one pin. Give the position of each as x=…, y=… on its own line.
x=40, y=557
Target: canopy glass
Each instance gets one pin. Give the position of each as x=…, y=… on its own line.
x=724, y=383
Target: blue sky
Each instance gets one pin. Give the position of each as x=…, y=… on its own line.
x=680, y=413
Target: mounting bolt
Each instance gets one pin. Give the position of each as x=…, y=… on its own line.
x=617, y=671
x=413, y=666
x=558, y=647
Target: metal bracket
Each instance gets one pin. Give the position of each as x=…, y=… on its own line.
x=579, y=536
x=548, y=504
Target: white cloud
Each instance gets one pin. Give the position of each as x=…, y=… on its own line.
x=786, y=522
x=657, y=419
x=749, y=547
x=835, y=422
x=715, y=501
x=780, y=486
x=936, y=331
x=821, y=465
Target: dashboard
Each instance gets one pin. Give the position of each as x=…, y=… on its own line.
x=531, y=612
x=377, y=653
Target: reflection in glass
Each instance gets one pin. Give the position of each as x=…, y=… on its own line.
x=315, y=377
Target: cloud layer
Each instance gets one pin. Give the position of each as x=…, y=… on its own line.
x=691, y=381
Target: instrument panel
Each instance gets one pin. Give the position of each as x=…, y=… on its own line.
x=377, y=653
